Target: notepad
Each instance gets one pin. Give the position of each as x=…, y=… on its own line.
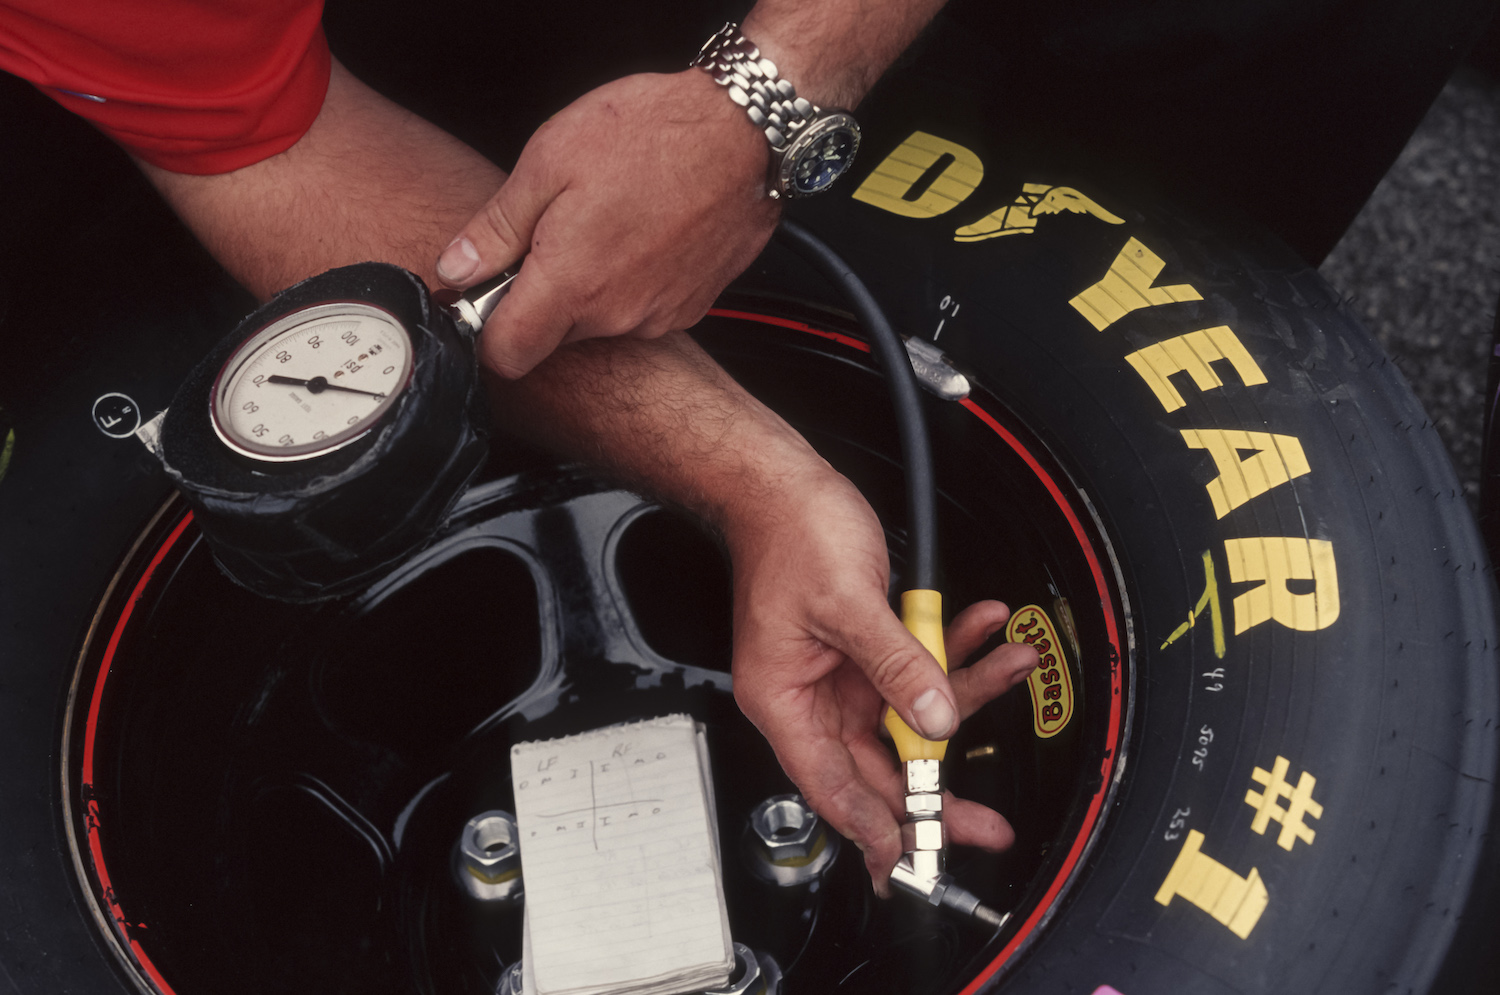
x=620, y=854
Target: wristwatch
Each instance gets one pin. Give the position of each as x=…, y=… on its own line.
x=810, y=147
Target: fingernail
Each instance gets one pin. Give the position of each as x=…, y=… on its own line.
x=933, y=713
x=458, y=261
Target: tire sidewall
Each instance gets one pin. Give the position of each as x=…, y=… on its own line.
x=1387, y=702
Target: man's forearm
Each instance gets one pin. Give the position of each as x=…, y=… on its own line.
x=833, y=51
x=369, y=181
x=666, y=419
x=372, y=181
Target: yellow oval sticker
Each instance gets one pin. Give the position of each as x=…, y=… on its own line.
x=1050, y=684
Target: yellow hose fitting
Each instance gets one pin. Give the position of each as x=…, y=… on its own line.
x=922, y=612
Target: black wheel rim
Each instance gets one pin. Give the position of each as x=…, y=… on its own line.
x=266, y=795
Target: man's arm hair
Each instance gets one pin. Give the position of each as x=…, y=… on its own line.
x=372, y=181
x=816, y=644
x=834, y=51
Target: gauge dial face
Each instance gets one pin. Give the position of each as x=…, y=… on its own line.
x=311, y=382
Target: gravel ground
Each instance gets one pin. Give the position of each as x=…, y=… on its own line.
x=1422, y=262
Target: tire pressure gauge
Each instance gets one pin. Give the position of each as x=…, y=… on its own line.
x=327, y=437
x=311, y=382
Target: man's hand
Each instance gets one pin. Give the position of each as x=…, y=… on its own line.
x=637, y=204
x=634, y=207
x=818, y=653
x=817, y=650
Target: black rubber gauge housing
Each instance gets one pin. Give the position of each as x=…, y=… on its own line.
x=315, y=528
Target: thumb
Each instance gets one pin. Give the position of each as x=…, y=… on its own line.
x=903, y=672
x=497, y=236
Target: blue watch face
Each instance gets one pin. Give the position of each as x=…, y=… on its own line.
x=824, y=161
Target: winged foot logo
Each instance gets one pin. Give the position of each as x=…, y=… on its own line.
x=1020, y=218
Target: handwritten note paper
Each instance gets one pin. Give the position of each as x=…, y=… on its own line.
x=619, y=850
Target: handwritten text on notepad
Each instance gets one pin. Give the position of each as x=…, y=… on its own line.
x=620, y=857
x=599, y=814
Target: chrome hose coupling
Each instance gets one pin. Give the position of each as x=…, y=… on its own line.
x=920, y=871
x=922, y=832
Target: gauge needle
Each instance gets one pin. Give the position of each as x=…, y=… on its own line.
x=318, y=384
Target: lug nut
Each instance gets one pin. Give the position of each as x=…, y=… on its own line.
x=487, y=858
x=787, y=843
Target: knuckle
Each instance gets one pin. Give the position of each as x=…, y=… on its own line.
x=894, y=668
x=615, y=318
x=621, y=324
x=495, y=218
x=653, y=328
x=690, y=311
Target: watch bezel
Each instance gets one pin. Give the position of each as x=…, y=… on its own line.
x=785, y=166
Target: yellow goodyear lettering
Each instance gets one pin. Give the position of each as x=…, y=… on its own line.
x=1191, y=354
x=926, y=176
x=1128, y=287
x=1276, y=561
x=1276, y=459
x=893, y=185
x=1235, y=901
x=1051, y=685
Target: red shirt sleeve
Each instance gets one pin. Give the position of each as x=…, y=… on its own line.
x=192, y=86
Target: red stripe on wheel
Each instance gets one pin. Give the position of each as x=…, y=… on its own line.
x=96, y=848
x=1075, y=853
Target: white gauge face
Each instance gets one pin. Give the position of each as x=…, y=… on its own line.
x=311, y=382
